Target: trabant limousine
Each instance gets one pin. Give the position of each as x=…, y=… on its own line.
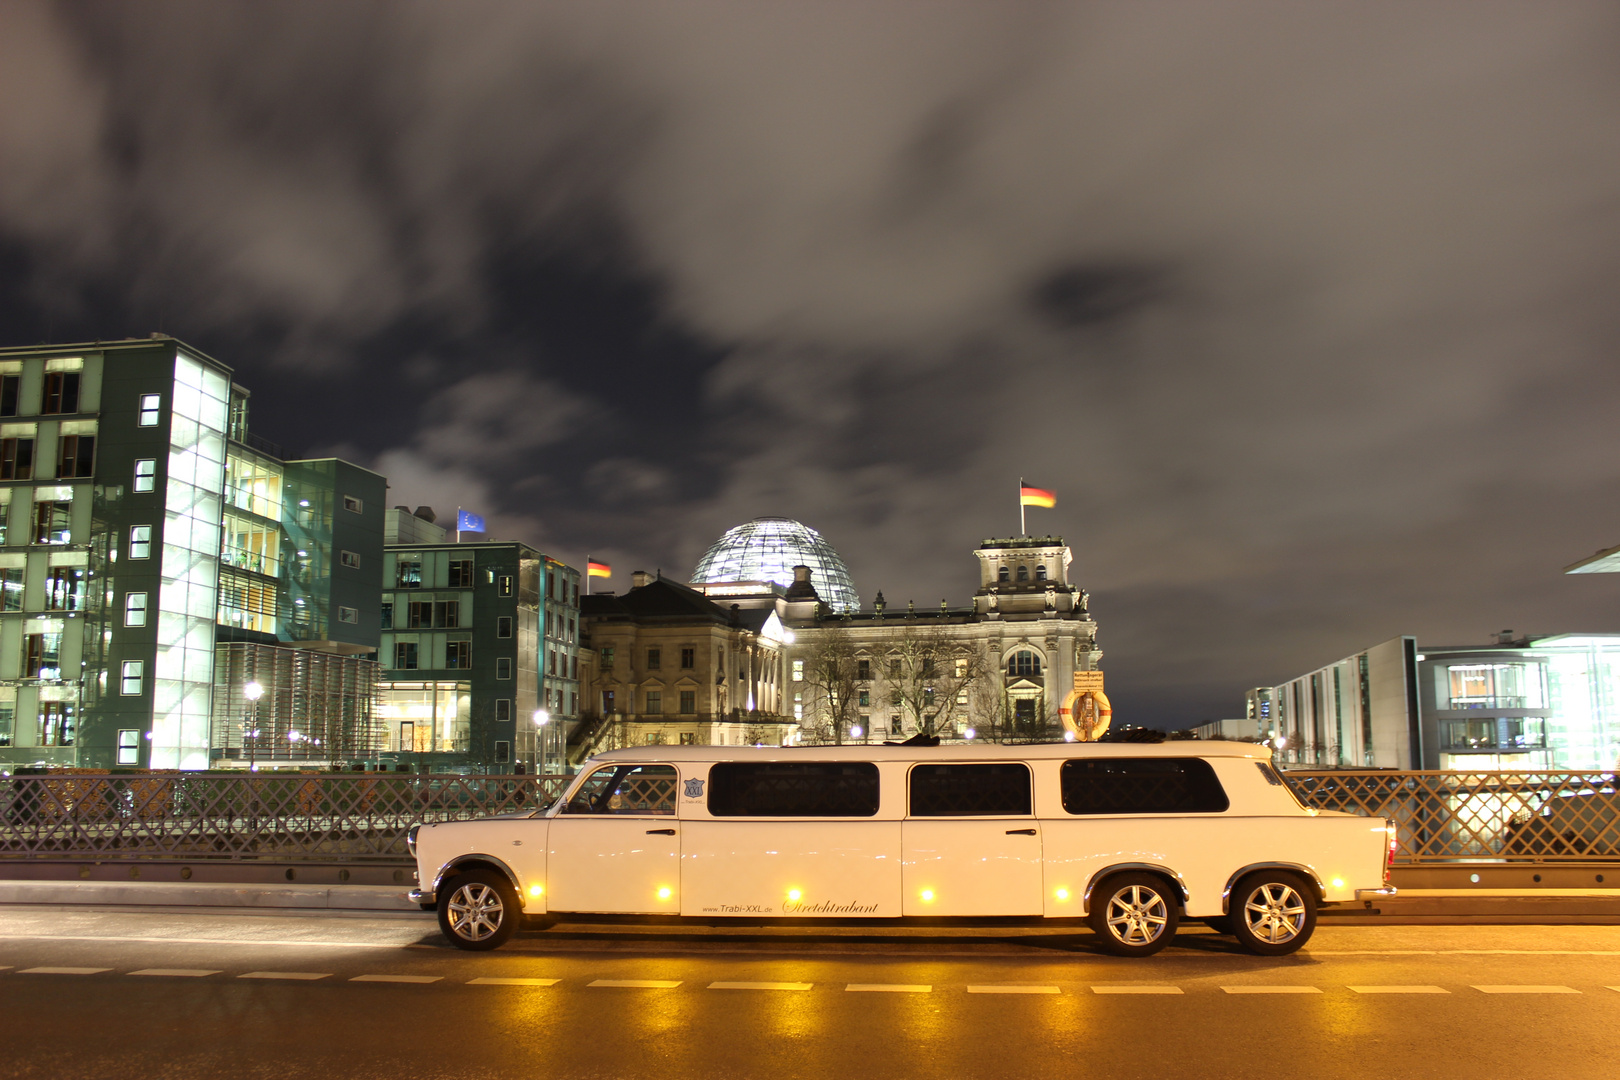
x=1129, y=837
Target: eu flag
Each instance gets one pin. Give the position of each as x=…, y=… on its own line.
x=467, y=521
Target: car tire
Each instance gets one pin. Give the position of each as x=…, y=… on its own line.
x=478, y=910
x=1134, y=914
x=1273, y=912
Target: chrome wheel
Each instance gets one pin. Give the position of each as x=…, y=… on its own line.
x=1137, y=915
x=1275, y=913
x=476, y=911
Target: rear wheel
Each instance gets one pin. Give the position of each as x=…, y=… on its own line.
x=1273, y=912
x=1134, y=915
x=479, y=910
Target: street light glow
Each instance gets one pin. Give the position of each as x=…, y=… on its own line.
x=541, y=717
x=253, y=691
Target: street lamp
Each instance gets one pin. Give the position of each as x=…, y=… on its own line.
x=253, y=692
x=541, y=718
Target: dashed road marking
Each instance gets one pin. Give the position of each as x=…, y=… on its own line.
x=1271, y=989
x=891, y=988
x=179, y=973
x=491, y=981
x=1012, y=988
x=62, y=971
x=1526, y=990
x=299, y=943
x=638, y=984
x=759, y=986
x=1396, y=989
x=1136, y=990
x=304, y=976
x=397, y=978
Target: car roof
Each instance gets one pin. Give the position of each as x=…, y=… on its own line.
x=953, y=752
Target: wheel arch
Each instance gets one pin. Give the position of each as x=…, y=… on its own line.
x=1169, y=876
x=1308, y=873
x=476, y=862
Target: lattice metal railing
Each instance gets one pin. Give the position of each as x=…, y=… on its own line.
x=1439, y=816
x=302, y=818
x=1474, y=817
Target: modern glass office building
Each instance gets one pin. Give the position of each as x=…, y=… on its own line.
x=137, y=529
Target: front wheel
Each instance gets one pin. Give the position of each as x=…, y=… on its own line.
x=1273, y=913
x=1134, y=915
x=479, y=910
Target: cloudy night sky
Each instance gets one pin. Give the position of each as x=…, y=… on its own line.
x=1306, y=312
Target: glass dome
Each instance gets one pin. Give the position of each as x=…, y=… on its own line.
x=768, y=548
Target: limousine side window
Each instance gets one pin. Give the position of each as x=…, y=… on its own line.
x=1141, y=786
x=992, y=789
x=793, y=789
x=626, y=789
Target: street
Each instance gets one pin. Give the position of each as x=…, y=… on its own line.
x=98, y=993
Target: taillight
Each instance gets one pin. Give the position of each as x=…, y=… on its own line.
x=1389, y=859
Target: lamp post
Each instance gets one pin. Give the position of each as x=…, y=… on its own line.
x=250, y=723
x=541, y=719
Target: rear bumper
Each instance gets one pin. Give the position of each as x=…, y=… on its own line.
x=1372, y=894
x=424, y=897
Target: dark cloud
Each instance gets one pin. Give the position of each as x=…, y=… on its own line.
x=1305, y=312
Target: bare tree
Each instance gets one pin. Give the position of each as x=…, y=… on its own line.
x=928, y=670
x=996, y=718
x=829, y=670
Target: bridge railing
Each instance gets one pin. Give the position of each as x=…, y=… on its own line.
x=1524, y=817
x=1515, y=817
x=303, y=818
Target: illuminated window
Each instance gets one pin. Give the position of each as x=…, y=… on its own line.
x=503, y=585
x=140, y=541
x=351, y=559
x=132, y=675
x=798, y=671
x=145, y=474
x=134, y=609
x=129, y=746
x=352, y=504
x=348, y=615
x=151, y=405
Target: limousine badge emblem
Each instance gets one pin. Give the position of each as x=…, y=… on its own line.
x=694, y=789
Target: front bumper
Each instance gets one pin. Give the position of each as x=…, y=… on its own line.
x=1369, y=894
x=425, y=897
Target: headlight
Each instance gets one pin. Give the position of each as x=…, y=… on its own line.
x=410, y=840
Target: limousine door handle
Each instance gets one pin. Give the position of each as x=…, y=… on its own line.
x=660, y=832
x=1020, y=832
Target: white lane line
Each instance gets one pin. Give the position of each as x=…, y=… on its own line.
x=758, y=986
x=1136, y=990
x=1528, y=989
x=1458, y=952
x=62, y=971
x=1012, y=988
x=307, y=976
x=1614, y=988
x=638, y=984
x=1271, y=989
x=397, y=978
x=203, y=941
x=491, y=981
x=181, y=973
x=1397, y=989
x=890, y=988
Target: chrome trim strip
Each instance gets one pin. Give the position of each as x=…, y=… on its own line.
x=417, y=896
x=1310, y=875
x=1387, y=890
x=1085, y=897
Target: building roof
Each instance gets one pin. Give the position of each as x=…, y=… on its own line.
x=1606, y=561
x=768, y=548
x=661, y=599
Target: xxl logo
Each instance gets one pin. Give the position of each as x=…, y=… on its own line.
x=694, y=789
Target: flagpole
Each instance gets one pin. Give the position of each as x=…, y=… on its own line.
x=1022, y=531
x=587, y=575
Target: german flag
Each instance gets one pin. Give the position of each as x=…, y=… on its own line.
x=1034, y=496
x=597, y=569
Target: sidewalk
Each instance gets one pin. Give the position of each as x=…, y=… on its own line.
x=371, y=899
x=1410, y=906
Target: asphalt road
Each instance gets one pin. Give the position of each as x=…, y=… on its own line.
x=101, y=993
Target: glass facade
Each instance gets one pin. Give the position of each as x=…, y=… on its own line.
x=767, y=549
x=425, y=717
x=188, y=599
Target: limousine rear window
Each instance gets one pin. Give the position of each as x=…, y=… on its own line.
x=793, y=789
x=997, y=788
x=1141, y=786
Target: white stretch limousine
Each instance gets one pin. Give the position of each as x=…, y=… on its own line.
x=1130, y=836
